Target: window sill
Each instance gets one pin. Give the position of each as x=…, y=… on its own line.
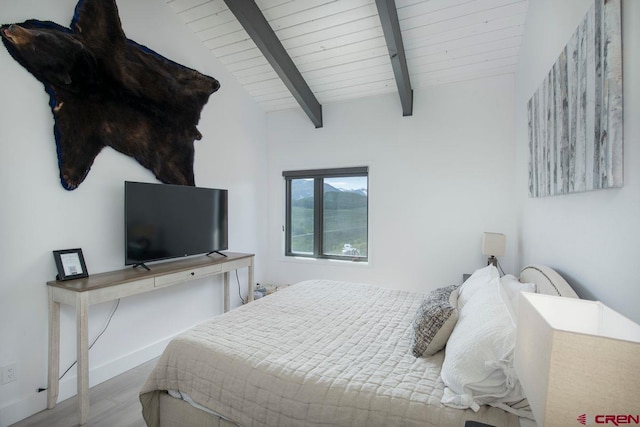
x=325, y=261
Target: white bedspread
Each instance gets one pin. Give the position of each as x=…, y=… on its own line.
x=319, y=353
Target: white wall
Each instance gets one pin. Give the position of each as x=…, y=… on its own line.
x=437, y=181
x=591, y=238
x=38, y=215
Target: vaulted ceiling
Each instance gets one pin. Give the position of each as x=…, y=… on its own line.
x=339, y=46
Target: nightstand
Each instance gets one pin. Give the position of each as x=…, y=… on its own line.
x=266, y=290
x=274, y=288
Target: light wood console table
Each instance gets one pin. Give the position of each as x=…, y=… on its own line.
x=111, y=286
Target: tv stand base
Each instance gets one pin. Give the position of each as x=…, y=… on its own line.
x=216, y=252
x=141, y=264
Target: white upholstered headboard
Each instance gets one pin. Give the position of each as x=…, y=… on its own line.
x=547, y=281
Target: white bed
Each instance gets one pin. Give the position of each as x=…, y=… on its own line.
x=319, y=353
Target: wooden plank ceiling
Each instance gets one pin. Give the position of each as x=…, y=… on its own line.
x=339, y=46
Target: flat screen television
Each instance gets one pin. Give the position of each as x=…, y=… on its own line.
x=164, y=221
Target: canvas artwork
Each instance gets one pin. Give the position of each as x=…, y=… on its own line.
x=575, y=116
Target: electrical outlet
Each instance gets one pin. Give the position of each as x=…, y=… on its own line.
x=9, y=373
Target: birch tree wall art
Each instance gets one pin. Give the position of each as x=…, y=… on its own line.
x=575, y=116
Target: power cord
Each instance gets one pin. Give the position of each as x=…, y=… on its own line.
x=499, y=266
x=238, y=280
x=115, y=308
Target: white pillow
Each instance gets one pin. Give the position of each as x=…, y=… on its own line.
x=480, y=278
x=513, y=287
x=478, y=362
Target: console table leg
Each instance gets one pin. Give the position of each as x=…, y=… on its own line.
x=54, y=351
x=227, y=302
x=82, y=329
x=250, y=280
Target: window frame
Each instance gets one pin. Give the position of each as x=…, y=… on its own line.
x=318, y=176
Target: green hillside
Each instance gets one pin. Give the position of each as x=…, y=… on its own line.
x=345, y=222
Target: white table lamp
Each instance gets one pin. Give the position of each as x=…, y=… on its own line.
x=578, y=361
x=493, y=244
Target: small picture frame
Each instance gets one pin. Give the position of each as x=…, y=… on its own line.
x=70, y=264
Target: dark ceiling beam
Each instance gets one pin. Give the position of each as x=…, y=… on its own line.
x=254, y=22
x=391, y=28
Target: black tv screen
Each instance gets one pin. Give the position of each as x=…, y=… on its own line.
x=165, y=221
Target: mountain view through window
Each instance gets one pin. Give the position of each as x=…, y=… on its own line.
x=344, y=216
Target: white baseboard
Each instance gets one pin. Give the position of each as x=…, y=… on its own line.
x=102, y=373
x=22, y=408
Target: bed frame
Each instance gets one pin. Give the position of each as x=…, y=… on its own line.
x=178, y=412
x=175, y=412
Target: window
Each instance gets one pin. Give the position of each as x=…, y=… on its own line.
x=327, y=213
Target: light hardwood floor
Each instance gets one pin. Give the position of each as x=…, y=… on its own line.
x=114, y=403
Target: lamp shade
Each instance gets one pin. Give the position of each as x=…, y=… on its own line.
x=493, y=244
x=578, y=361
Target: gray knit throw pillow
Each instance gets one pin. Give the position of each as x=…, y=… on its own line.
x=435, y=320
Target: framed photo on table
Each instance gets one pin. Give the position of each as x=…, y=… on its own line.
x=70, y=264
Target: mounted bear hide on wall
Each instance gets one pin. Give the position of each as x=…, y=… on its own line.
x=107, y=90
